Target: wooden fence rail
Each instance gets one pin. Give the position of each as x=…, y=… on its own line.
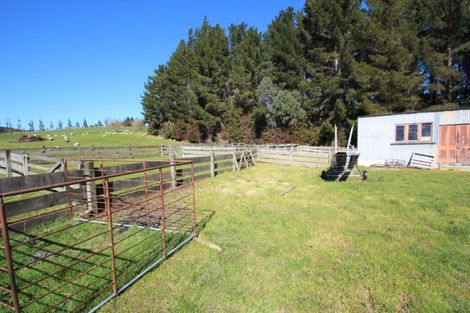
x=49, y=159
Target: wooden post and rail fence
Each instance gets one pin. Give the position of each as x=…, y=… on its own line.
x=22, y=162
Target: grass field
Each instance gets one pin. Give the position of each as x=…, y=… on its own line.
x=84, y=136
x=398, y=242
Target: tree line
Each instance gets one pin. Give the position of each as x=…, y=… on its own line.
x=326, y=64
x=31, y=126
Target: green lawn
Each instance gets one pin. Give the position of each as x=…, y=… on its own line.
x=398, y=242
x=86, y=137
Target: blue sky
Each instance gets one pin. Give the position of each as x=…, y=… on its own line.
x=89, y=59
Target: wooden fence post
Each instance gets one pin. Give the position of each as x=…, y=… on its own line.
x=25, y=164
x=172, y=171
x=89, y=172
x=8, y=162
x=212, y=165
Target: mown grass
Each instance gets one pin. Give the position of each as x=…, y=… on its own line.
x=84, y=136
x=398, y=242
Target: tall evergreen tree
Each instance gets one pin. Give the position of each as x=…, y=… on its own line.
x=285, y=50
x=31, y=125
x=445, y=49
x=41, y=125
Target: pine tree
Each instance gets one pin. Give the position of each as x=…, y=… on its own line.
x=69, y=123
x=77, y=124
x=51, y=126
x=41, y=125
x=445, y=49
x=85, y=123
x=31, y=125
x=285, y=50
x=60, y=125
x=247, y=65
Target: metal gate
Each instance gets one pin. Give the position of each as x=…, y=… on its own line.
x=118, y=222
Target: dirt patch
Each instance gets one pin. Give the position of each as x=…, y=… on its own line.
x=32, y=138
x=251, y=193
x=403, y=303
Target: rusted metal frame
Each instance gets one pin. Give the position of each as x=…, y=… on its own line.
x=188, y=216
x=8, y=256
x=194, y=198
x=47, y=275
x=183, y=209
x=39, y=215
x=61, y=250
x=124, y=160
x=145, y=260
x=138, y=276
x=79, y=181
x=69, y=282
x=35, y=283
x=181, y=226
x=168, y=191
x=136, y=244
x=70, y=297
x=162, y=195
x=67, y=188
x=130, y=236
x=125, y=191
x=98, y=216
x=92, y=296
x=110, y=230
x=132, y=257
x=177, y=200
x=136, y=219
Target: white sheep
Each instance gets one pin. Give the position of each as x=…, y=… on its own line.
x=66, y=139
x=76, y=145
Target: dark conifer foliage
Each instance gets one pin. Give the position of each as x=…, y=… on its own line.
x=326, y=64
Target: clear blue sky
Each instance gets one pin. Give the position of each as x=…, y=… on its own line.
x=89, y=59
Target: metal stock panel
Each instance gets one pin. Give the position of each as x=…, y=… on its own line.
x=120, y=219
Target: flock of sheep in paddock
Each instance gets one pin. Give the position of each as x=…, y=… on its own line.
x=66, y=137
x=125, y=132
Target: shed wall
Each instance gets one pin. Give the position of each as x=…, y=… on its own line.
x=376, y=135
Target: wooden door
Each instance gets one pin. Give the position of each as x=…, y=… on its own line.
x=463, y=143
x=454, y=143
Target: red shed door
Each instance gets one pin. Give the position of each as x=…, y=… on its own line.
x=454, y=143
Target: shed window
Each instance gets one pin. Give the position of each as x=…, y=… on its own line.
x=400, y=133
x=413, y=132
x=426, y=130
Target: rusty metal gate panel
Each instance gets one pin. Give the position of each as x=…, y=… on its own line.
x=454, y=143
x=120, y=221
